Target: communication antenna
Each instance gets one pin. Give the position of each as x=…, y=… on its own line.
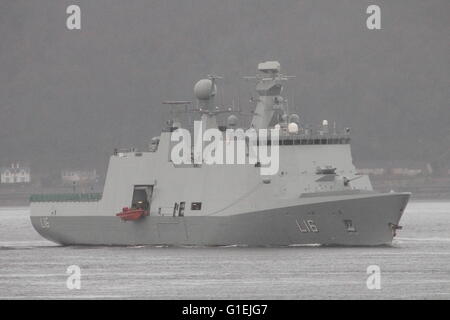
x=177, y=102
x=287, y=106
x=221, y=95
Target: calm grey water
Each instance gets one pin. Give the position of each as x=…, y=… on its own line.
x=417, y=266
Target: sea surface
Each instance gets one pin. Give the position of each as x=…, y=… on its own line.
x=416, y=266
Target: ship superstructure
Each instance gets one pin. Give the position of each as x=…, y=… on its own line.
x=316, y=195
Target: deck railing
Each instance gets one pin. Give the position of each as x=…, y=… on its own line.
x=66, y=197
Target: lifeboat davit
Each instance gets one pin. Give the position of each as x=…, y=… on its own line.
x=132, y=214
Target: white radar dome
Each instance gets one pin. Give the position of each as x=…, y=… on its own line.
x=293, y=127
x=204, y=89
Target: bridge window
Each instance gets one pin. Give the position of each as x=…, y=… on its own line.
x=196, y=206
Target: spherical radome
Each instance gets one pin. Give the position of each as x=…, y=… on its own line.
x=293, y=127
x=204, y=89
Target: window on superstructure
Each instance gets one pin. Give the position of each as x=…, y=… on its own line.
x=196, y=206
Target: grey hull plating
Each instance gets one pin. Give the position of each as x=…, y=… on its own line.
x=324, y=223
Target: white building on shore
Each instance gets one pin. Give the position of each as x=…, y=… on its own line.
x=16, y=173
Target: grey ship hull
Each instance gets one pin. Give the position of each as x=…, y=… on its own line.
x=323, y=222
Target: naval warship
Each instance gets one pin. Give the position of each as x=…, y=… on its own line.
x=315, y=196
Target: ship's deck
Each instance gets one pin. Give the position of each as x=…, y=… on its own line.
x=66, y=197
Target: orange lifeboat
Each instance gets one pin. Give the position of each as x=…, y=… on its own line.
x=132, y=214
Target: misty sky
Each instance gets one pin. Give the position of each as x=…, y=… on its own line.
x=67, y=98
